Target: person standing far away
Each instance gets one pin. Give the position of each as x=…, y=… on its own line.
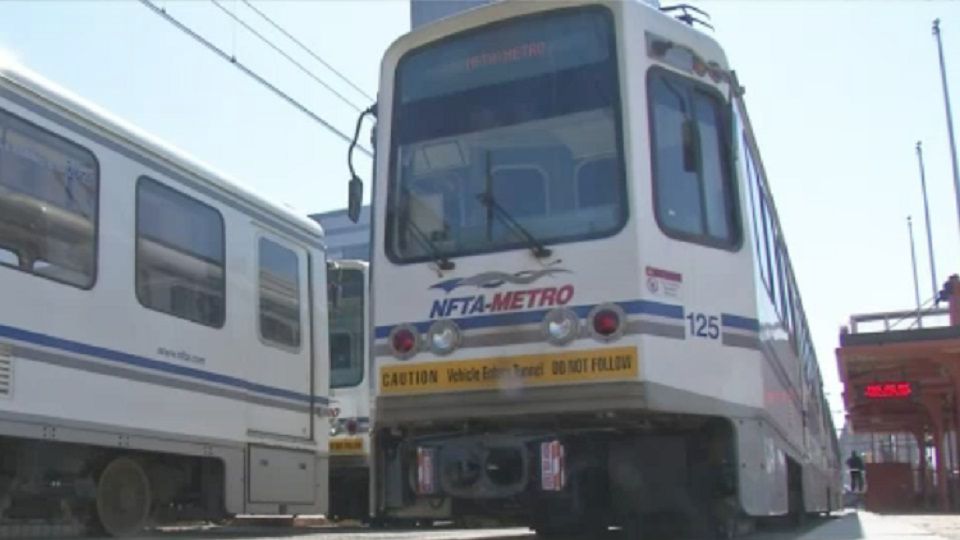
x=855, y=464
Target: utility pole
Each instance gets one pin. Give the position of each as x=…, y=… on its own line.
x=946, y=103
x=926, y=214
x=916, y=283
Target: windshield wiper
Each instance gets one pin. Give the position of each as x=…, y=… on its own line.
x=494, y=208
x=443, y=263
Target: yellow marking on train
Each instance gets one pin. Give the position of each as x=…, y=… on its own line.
x=510, y=372
x=347, y=445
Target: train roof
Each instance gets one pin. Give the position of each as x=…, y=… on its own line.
x=38, y=88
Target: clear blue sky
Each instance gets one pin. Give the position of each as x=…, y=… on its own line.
x=839, y=92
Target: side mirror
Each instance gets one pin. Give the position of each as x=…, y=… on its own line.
x=355, y=198
x=355, y=186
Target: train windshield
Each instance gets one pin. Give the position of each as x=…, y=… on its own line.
x=346, y=326
x=514, y=122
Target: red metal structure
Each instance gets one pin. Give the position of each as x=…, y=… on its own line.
x=905, y=381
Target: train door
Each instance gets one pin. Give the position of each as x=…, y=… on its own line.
x=281, y=364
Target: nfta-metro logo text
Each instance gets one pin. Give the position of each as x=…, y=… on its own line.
x=502, y=301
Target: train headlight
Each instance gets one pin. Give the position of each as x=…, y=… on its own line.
x=607, y=322
x=560, y=326
x=404, y=341
x=444, y=337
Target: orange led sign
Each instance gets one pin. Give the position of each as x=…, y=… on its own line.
x=888, y=390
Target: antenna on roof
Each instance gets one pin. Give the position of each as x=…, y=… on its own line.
x=688, y=14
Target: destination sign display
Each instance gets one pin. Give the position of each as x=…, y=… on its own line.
x=521, y=49
x=888, y=390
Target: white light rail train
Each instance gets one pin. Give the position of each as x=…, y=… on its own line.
x=349, y=389
x=584, y=309
x=163, y=332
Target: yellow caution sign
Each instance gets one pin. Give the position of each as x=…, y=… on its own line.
x=346, y=445
x=511, y=372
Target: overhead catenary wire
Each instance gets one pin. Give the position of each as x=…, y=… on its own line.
x=252, y=74
x=284, y=54
x=306, y=49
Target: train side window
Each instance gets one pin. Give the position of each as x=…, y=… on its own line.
x=786, y=299
x=346, y=326
x=180, y=255
x=775, y=283
x=693, y=190
x=279, y=294
x=799, y=321
x=786, y=312
x=777, y=263
x=759, y=230
x=49, y=188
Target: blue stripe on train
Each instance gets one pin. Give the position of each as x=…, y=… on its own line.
x=742, y=323
x=148, y=363
x=645, y=307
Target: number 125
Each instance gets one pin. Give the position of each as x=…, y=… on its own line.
x=704, y=326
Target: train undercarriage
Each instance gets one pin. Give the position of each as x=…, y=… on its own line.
x=349, y=488
x=75, y=487
x=579, y=475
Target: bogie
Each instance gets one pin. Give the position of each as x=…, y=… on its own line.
x=116, y=492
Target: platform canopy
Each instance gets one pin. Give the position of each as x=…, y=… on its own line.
x=901, y=374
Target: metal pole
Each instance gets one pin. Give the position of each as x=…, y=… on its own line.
x=916, y=283
x=946, y=103
x=926, y=214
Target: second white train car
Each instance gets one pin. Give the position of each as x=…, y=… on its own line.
x=584, y=308
x=163, y=333
x=349, y=389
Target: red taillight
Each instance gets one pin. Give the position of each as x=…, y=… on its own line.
x=404, y=341
x=351, y=427
x=606, y=322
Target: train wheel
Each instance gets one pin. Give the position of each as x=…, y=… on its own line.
x=123, y=498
